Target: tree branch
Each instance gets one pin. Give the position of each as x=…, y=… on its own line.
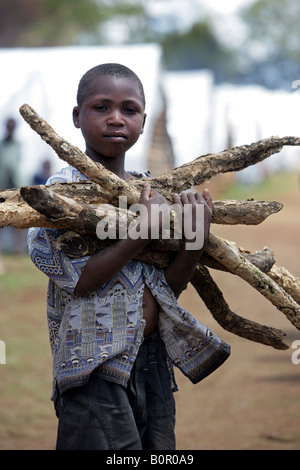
x=216, y=304
x=15, y=212
x=237, y=264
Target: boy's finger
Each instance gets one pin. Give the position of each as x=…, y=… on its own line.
x=146, y=191
x=185, y=197
x=176, y=199
x=207, y=197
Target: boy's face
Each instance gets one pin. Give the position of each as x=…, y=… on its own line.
x=111, y=117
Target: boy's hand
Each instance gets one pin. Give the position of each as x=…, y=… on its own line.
x=191, y=226
x=157, y=206
x=181, y=268
x=151, y=196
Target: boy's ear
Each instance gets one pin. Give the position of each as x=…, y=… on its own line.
x=76, y=117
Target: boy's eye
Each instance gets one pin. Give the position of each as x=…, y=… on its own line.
x=101, y=107
x=130, y=110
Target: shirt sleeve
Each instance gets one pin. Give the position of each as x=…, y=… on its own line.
x=60, y=268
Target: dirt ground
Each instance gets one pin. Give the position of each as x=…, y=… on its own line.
x=251, y=403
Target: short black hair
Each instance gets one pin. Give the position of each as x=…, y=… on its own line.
x=109, y=69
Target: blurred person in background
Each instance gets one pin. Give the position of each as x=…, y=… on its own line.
x=42, y=175
x=10, y=159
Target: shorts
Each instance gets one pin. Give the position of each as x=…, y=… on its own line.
x=103, y=415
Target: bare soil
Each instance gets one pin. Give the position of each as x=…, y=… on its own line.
x=250, y=403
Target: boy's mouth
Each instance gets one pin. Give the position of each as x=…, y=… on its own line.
x=115, y=136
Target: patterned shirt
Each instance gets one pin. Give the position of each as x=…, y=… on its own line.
x=105, y=329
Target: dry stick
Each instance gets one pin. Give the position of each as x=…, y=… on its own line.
x=286, y=280
x=16, y=209
x=237, y=264
x=70, y=242
x=66, y=213
x=230, y=321
x=263, y=260
x=205, y=167
x=249, y=212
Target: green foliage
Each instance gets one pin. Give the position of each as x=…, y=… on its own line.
x=198, y=48
x=269, y=56
x=56, y=22
x=272, y=44
x=272, y=186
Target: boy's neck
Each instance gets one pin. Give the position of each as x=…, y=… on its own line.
x=115, y=165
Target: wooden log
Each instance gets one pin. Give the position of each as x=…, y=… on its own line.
x=263, y=260
x=237, y=263
x=66, y=213
x=286, y=280
x=205, y=167
x=20, y=210
x=76, y=245
x=230, y=321
x=16, y=212
x=249, y=212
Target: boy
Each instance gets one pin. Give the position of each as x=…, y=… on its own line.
x=115, y=325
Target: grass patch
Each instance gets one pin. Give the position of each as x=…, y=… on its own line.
x=20, y=273
x=272, y=187
x=27, y=419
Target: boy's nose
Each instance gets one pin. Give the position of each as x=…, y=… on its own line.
x=115, y=119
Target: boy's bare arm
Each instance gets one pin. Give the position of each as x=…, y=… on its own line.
x=181, y=269
x=103, y=265
x=106, y=263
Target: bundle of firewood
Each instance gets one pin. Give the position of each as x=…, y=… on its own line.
x=74, y=208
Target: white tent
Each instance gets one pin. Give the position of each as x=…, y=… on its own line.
x=199, y=114
x=207, y=118
x=47, y=79
x=189, y=105
x=252, y=113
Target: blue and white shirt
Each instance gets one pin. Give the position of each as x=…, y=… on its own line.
x=105, y=329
